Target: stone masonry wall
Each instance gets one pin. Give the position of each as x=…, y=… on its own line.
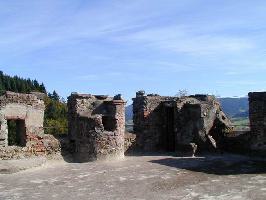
x=171, y=123
x=30, y=109
x=96, y=126
x=257, y=117
x=200, y=120
x=148, y=122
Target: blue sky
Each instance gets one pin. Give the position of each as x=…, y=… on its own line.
x=121, y=46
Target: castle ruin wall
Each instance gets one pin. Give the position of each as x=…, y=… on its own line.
x=27, y=110
x=96, y=126
x=257, y=117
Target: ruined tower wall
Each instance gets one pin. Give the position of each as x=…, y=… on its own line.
x=23, y=107
x=96, y=126
x=171, y=123
x=28, y=110
x=148, y=120
x=196, y=117
x=257, y=117
x=188, y=121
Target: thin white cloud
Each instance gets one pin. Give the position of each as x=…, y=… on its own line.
x=179, y=40
x=142, y=41
x=118, y=22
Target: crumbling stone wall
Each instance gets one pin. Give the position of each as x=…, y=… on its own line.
x=257, y=117
x=148, y=121
x=29, y=109
x=96, y=126
x=171, y=123
x=130, y=142
x=200, y=120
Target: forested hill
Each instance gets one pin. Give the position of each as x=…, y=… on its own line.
x=21, y=85
x=235, y=107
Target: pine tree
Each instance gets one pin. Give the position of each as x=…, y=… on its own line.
x=42, y=88
x=54, y=96
x=13, y=85
x=7, y=84
x=1, y=76
x=36, y=85
x=24, y=88
x=2, y=88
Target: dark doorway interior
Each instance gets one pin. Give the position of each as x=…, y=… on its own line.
x=169, y=134
x=16, y=133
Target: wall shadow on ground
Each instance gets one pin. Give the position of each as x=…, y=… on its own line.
x=222, y=165
x=66, y=148
x=212, y=163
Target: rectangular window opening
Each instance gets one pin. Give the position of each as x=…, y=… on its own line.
x=109, y=123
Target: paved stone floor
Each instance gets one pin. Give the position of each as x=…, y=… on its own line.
x=142, y=177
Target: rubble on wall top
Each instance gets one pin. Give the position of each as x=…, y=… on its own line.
x=116, y=98
x=39, y=95
x=203, y=97
x=101, y=97
x=153, y=95
x=262, y=92
x=88, y=96
x=26, y=96
x=200, y=97
x=21, y=98
x=140, y=93
x=83, y=96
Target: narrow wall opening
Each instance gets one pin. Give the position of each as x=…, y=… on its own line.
x=168, y=140
x=16, y=133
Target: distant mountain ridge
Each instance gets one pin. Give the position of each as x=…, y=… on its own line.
x=129, y=112
x=235, y=107
x=232, y=107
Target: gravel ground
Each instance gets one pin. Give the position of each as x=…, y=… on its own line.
x=142, y=177
x=14, y=166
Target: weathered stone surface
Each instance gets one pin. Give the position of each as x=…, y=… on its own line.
x=96, y=126
x=29, y=109
x=171, y=123
x=130, y=142
x=239, y=142
x=257, y=117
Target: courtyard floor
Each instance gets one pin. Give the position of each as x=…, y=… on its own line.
x=142, y=177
